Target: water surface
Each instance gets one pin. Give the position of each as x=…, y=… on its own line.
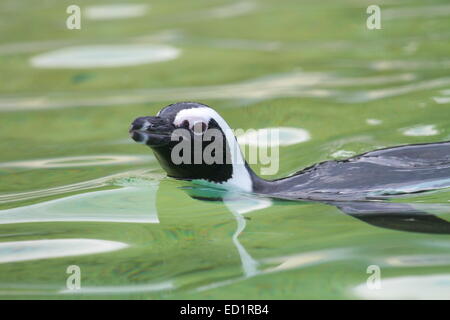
x=75, y=190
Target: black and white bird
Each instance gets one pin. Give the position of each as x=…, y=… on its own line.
x=353, y=185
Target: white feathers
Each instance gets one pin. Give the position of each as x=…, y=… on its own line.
x=192, y=116
x=240, y=177
x=146, y=125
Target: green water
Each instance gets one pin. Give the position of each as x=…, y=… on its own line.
x=75, y=190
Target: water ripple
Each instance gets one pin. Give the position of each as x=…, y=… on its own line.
x=270, y=137
x=104, y=56
x=422, y=130
x=137, y=288
x=115, y=11
x=77, y=161
x=291, y=84
x=84, y=185
x=408, y=287
x=126, y=204
x=44, y=249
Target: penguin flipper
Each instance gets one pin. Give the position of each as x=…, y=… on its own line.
x=396, y=216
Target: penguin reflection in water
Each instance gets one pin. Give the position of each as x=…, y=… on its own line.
x=356, y=185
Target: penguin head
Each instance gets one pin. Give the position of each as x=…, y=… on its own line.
x=184, y=135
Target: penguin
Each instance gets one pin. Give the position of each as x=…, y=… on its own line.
x=355, y=185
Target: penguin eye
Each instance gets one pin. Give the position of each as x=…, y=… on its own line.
x=185, y=124
x=199, y=127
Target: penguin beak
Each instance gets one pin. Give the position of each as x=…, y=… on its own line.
x=152, y=131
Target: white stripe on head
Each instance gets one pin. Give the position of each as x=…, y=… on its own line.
x=145, y=126
x=240, y=177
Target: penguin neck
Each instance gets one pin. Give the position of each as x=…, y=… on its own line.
x=243, y=179
x=259, y=185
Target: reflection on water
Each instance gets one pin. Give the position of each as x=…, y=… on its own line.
x=84, y=196
x=74, y=187
x=77, y=161
x=291, y=84
x=419, y=260
x=307, y=259
x=377, y=94
x=283, y=263
x=232, y=10
x=409, y=65
x=105, y=56
x=444, y=99
x=100, y=206
x=281, y=136
x=410, y=287
x=425, y=130
x=45, y=249
x=115, y=11
x=374, y=122
x=239, y=206
x=138, y=288
x=421, y=12
x=263, y=237
x=342, y=154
